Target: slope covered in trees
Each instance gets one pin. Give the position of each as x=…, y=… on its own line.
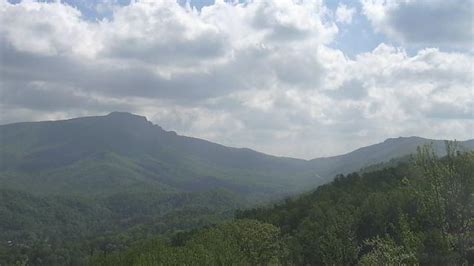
x=243, y=242
x=71, y=189
x=122, y=152
x=413, y=213
x=419, y=212
x=60, y=230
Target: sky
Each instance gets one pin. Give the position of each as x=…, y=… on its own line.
x=302, y=79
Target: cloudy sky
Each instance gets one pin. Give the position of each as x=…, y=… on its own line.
x=293, y=78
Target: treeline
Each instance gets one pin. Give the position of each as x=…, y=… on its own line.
x=420, y=212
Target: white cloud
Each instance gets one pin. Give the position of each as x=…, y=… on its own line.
x=258, y=74
x=46, y=29
x=345, y=14
x=161, y=33
x=435, y=23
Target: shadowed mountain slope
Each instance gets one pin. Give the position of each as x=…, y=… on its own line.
x=126, y=152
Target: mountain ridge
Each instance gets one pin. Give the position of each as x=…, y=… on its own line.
x=123, y=151
x=135, y=117
x=122, y=173
x=106, y=146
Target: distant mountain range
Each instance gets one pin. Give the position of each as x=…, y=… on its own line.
x=72, y=188
x=123, y=152
x=393, y=148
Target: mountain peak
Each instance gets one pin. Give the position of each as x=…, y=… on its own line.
x=126, y=115
x=128, y=120
x=132, y=121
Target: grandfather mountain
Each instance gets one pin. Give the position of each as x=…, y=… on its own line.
x=123, y=152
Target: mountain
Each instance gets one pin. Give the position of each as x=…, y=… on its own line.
x=72, y=188
x=392, y=148
x=123, y=152
x=408, y=214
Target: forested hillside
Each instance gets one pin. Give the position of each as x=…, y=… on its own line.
x=60, y=230
x=122, y=152
x=71, y=188
x=74, y=189
x=420, y=212
x=236, y=132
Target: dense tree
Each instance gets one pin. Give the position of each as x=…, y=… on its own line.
x=59, y=230
x=246, y=242
x=447, y=200
x=419, y=211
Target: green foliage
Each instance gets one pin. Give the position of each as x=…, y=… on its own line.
x=59, y=230
x=121, y=152
x=386, y=217
x=386, y=252
x=446, y=197
x=326, y=236
x=142, y=205
x=244, y=242
x=414, y=213
x=69, y=189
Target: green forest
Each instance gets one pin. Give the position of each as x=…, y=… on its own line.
x=418, y=212
x=119, y=190
x=236, y=132
x=60, y=230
